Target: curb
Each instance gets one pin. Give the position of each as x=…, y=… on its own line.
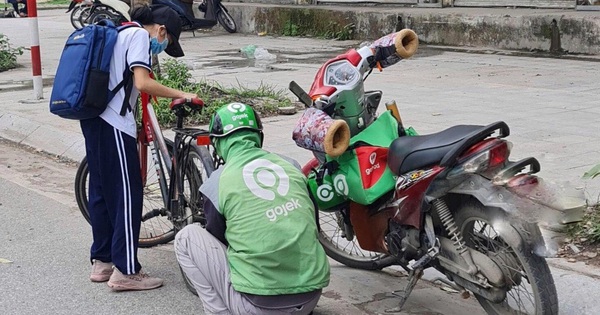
x=19, y=85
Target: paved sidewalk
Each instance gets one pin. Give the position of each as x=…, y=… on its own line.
x=550, y=104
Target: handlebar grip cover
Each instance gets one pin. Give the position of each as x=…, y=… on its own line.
x=406, y=43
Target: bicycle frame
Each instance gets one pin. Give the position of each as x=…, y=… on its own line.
x=149, y=133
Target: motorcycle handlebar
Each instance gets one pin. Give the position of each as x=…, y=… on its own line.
x=391, y=48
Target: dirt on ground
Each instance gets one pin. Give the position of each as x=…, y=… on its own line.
x=580, y=250
x=39, y=171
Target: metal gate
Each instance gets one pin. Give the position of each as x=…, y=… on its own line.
x=516, y=3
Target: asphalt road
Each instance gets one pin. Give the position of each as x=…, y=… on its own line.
x=44, y=262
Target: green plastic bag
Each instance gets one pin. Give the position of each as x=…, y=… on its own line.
x=363, y=168
x=326, y=195
x=361, y=174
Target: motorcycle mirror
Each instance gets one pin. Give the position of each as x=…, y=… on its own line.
x=300, y=93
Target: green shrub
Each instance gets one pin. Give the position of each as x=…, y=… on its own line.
x=588, y=228
x=8, y=54
x=265, y=99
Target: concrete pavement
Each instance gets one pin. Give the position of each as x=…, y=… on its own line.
x=551, y=105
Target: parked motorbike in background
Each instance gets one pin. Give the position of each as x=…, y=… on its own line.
x=84, y=12
x=451, y=200
x=214, y=9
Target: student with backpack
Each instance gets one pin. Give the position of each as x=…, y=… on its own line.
x=115, y=184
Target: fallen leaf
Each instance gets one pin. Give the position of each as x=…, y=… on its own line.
x=5, y=261
x=262, y=33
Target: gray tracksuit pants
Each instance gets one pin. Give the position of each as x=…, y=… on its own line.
x=203, y=259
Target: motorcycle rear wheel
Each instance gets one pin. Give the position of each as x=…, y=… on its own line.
x=535, y=292
x=340, y=249
x=226, y=20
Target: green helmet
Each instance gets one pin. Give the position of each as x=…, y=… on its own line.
x=233, y=117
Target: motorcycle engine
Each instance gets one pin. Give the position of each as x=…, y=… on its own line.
x=404, y=242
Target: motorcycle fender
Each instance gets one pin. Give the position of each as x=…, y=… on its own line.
x=529, y=202
x=523, y=210
x=118, y=6
x=370, y=230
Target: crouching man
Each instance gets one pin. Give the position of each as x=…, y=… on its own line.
x=259, y=253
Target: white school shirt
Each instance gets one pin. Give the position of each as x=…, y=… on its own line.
x=133, y=42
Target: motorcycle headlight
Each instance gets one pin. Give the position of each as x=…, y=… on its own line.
x=341, y=73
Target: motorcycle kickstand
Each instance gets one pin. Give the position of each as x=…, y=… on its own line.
x=413, y=277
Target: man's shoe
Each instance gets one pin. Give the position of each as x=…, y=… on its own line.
x=101, y=271
x=139, y=281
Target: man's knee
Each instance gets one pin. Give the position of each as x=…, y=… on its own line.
x=192, y=230
x=182, y=239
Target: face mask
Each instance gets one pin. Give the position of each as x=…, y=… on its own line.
x=156, y=47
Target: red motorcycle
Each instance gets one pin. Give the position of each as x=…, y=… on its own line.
x=456, y=202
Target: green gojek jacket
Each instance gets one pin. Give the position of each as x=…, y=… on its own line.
x=258, y=204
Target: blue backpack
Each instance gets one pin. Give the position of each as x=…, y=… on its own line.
x=81, y=83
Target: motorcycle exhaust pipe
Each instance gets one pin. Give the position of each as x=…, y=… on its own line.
x=406, y=43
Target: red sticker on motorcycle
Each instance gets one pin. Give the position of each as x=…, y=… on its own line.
x=372, y=163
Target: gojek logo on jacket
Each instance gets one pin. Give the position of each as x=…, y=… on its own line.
x=267, y=180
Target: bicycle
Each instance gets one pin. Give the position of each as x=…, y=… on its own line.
x=171, y=174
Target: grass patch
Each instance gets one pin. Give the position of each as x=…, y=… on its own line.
x=265, y=99
x=56, y=2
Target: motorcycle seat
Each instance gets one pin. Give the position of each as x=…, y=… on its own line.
x=414, y=152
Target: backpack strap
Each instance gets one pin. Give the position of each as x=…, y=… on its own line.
x=127, y=82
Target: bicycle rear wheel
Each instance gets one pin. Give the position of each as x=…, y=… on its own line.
x=198, y=167
x=155, y=227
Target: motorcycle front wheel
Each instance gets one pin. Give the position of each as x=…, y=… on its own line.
x=78, y=14
x=333, y=236
x=529, y=285
x=226, y=20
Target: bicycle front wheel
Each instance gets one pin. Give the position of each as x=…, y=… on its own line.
x=156, y=228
